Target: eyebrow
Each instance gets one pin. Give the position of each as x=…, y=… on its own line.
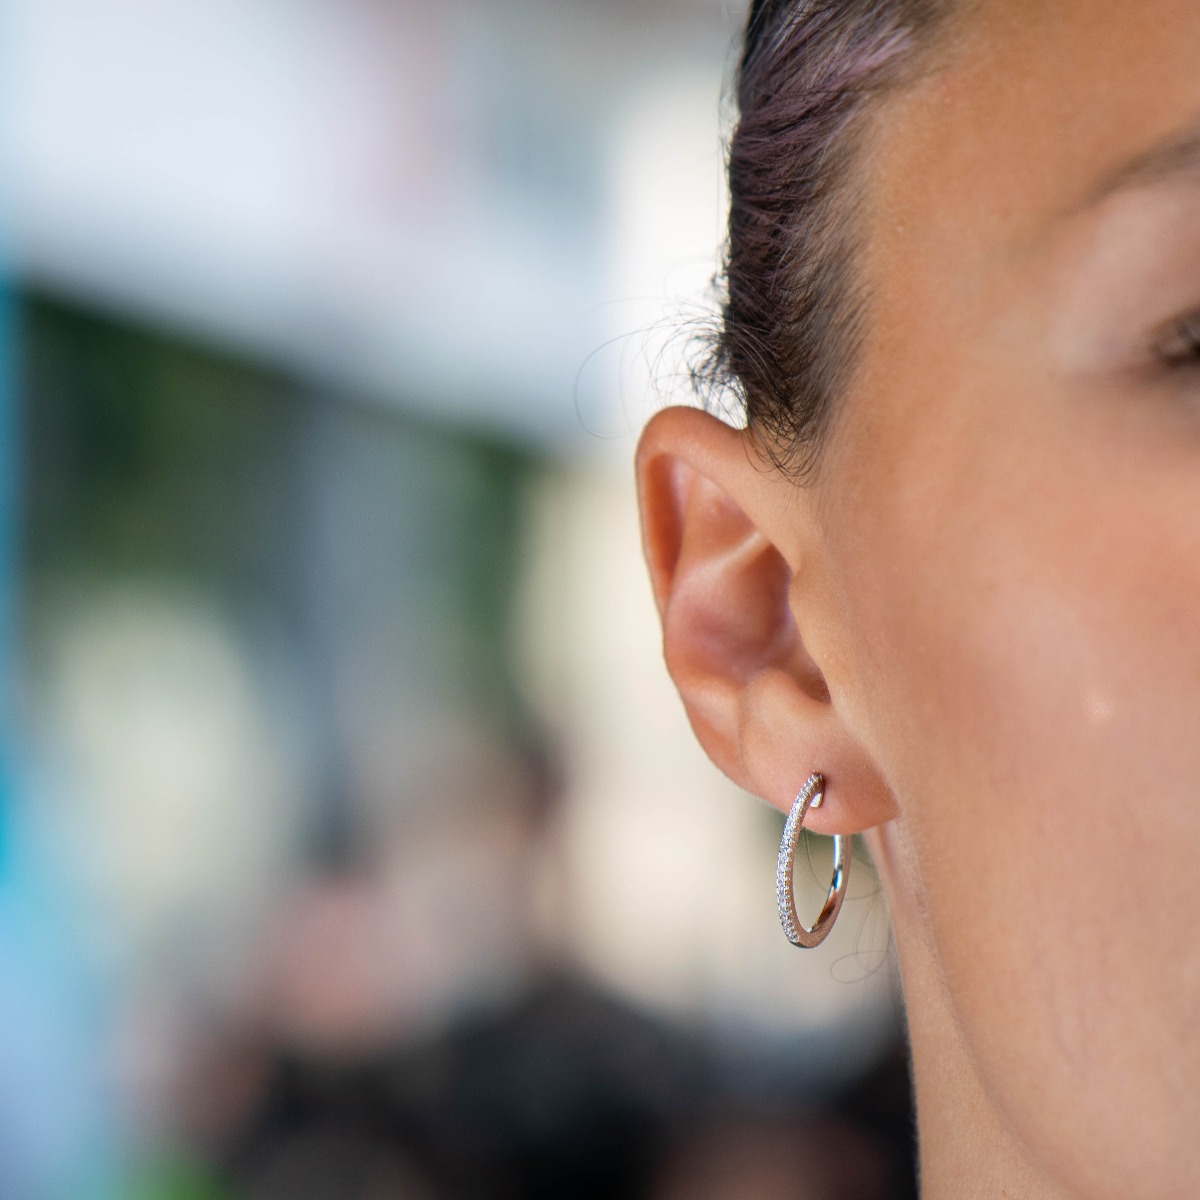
x=1175, y=157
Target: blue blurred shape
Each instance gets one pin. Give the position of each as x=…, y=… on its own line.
x=56, y=1128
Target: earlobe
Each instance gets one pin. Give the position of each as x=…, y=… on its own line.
x=724, y=540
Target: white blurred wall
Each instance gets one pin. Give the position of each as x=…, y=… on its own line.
x=441, y=206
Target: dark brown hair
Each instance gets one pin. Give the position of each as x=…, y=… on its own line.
x=792, y=312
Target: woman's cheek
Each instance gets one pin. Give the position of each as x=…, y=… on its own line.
x=1054, y=819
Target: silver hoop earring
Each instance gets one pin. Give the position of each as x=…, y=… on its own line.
x=812, y=794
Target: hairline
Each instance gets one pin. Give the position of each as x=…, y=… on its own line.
x=842, y=235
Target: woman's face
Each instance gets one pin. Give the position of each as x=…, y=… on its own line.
x=1010, y=530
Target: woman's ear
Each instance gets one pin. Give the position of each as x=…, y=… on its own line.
x=727, y=542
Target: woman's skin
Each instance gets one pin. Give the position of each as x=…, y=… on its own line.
x=981, y=619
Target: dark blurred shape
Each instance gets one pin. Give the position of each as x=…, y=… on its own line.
x=567, y=1093
x=312, y=1166
x=820, y=1159
x=571, y=1093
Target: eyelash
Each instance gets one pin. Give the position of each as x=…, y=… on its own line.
x=1179, y=348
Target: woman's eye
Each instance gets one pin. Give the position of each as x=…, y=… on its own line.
x=1179, y=346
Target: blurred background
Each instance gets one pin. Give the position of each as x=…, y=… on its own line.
x=353, y=845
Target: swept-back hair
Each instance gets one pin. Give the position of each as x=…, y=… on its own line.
x=792, y=310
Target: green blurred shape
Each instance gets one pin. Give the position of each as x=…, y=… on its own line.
x=177, y=1178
